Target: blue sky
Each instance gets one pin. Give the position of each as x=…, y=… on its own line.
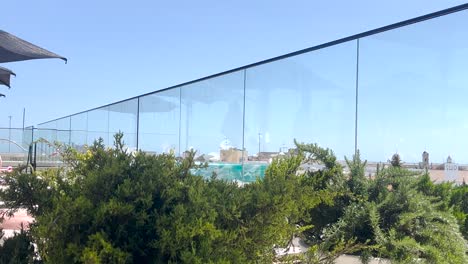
x=120, y=49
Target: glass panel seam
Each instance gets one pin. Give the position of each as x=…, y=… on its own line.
x=137, y=123
x=180, y=119
x=69, y=130
x=243, y=125
x=357, y=100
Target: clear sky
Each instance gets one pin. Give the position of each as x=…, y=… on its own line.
x=120, y=49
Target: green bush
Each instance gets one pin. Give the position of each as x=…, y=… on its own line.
x=112, y=206
x=401, y=216
x=18, y=249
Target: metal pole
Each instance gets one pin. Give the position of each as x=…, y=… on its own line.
x=180, y=121
x=259, y=136
x=24, y=114
x=357, y=100
x=35, y=156
x=138, y=124
x=243, y=126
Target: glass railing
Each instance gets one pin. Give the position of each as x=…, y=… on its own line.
x=399, y=89
x=12, y=140
x=14, y=144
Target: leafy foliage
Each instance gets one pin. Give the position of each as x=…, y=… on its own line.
x=400, y=216
x=459, y=203
x=396, y=160
x=17, y=249
x=113, y=206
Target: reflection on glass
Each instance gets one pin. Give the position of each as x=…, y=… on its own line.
x=79, y=130
x=212, y=115
x=159, y=122
x=47, y=131
x=48, y=125
x=413, y=92
x=11, y=140
x=309, y=97
x=63, y=130
x=45, y=134
x=45, y=137
x=27, y=137
x=98, y=125
x=63, y=123
x=123, y=118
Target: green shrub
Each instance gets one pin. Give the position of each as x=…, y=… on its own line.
x=18, y=249
x=112, y=206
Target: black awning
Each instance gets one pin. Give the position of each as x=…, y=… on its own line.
x=13, y=48
x=5, y=75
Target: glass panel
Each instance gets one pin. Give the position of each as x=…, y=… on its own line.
x=79, y=130
x=63, y=130
x=211, y=123
x=48, y=125
x=309, y=97
x=159, y=122
x=45, y=138
x=11, y=141
x=63, y=123
x=98, y=125
x=50, y=135
x=27, y=136
x=413, y=93
x=123, y=117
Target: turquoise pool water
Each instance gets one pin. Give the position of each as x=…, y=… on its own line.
x=230, y=171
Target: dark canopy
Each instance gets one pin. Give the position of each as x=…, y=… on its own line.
x=13, y=48
x=5, y=76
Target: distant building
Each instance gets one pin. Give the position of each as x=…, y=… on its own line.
x=233, y=155
x=425, y=161
x=267, y=156
x=283, y=149
x=450, y=170
x=264, y=156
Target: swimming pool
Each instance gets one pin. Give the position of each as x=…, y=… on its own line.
x=249, y=172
